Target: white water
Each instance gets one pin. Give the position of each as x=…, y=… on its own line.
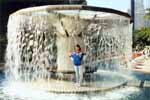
x=25, y=93
x=39, y=42
x=33, y=48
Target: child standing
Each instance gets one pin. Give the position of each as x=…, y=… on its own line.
x=77, y=58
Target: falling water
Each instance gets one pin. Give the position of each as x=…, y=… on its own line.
x=31, y=48
x=39, y=42
x=107, y=42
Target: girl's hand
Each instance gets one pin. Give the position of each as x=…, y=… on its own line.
x=70, y=53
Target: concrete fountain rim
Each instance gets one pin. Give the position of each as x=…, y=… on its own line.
x=87, y=89
x=59, y=86
x=73, y=7
x=64, y=87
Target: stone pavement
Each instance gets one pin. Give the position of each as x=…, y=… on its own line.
x=140, y=71
x=142, y=65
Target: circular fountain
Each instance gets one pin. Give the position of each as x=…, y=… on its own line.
x=40, y=38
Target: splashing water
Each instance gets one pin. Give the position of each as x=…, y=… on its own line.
x=38, y=46
x=25, y=93
x=40, y=42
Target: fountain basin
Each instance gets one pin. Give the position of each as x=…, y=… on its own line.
x=141, y=74
x=102, y=81
x=41, y=39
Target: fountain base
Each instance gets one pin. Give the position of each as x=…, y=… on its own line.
x=100, y=81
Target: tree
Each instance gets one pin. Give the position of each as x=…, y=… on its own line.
x=141, y=38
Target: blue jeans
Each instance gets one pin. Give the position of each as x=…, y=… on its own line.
x=79, y=74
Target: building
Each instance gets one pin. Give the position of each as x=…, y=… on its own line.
x=147, y=21
x=147, y=3
x=138, y=13
x=139, y=20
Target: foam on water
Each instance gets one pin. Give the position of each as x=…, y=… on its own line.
x=23, y=92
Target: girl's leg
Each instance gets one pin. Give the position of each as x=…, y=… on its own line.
x=76, y=73
x=80, y=74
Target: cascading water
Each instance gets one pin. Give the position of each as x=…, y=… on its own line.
x=33, y=50
x=39, y=40
x=105, y=42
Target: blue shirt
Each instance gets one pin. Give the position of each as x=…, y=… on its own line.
x=77, y=58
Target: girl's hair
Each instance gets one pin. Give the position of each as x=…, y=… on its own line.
x=78, y=46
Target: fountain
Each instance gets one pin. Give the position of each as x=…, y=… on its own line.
x=40, y=38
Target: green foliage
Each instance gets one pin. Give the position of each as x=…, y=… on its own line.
x=141, y=38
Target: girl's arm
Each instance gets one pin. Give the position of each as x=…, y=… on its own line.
x=70, y=54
